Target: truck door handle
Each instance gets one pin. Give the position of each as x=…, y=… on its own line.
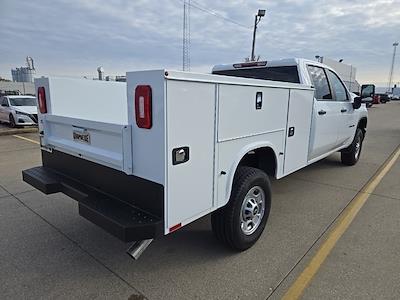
x=343, y=110
x=322, y=112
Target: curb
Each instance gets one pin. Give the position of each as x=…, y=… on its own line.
x=17, y=131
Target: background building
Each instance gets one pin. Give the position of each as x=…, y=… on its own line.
x=23, y=88
x=24, y=74
x=345, y=71
x=22, y=80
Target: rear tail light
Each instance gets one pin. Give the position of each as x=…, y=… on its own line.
x=143, y=106
x=42, y=100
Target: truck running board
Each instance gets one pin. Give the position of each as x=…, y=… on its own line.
x=123, y=220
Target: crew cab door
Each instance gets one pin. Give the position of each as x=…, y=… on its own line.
x=326, y=115
x=345, y=123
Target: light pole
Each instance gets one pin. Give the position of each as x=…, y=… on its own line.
x=392, y=67
x=258, y=16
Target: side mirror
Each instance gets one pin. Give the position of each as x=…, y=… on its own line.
x=367, y=92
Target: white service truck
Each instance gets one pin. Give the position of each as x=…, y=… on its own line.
x=146, y=158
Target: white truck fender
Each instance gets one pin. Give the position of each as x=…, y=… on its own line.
x=246, y=149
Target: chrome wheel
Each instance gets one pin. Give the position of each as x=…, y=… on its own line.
x=253, y=208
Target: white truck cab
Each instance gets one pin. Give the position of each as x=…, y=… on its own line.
x=181, y=145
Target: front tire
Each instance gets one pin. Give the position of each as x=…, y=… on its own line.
x=12, y=121
x=351, y=154
x=241, y=222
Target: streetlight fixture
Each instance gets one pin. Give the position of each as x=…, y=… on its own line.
x=395, y=44
x=257, y=19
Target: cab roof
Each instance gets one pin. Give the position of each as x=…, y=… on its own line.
x=265, y=64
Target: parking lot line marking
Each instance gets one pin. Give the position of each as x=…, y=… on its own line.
x=26, y=139
x=343, y=223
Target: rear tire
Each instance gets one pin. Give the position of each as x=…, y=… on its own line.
x=351, y=154
x=12, y=121
x=241, y=222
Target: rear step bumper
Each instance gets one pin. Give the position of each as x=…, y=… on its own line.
x=117, y=217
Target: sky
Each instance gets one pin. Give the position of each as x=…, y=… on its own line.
x=74, y=37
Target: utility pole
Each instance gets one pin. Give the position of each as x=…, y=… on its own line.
x=186, y=36
x=392, y=66
x=257, y=19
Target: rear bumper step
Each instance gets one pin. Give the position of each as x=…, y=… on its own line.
x=125, y=221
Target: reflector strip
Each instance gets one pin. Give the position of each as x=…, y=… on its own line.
x=175, y=227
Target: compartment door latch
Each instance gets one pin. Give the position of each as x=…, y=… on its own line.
x=180, y=155
x=259, y=100
x=291, y=131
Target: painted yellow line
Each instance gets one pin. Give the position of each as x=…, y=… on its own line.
x=26, y=139
x=348, y=215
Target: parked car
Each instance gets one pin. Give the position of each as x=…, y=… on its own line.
x=383, y=98
x=377, y=99
x=18, y=110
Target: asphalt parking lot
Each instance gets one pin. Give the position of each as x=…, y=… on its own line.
x=48, y=251
x=5, y=129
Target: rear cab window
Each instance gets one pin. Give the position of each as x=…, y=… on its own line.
x=282, y=73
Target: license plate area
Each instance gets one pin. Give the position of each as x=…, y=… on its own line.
x=107, y=144
x=81, y=135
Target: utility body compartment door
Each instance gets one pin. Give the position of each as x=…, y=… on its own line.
x=190, y=150
x=250, y=111
x=298, y=129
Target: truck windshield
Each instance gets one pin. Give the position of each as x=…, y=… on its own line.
x=284, y=73
x=23, y=101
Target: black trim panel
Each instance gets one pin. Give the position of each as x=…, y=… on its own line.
x=128, y=207
x=131, y=189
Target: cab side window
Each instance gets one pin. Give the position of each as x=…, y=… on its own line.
x=4, y=102
x=320, y=81
x=337, y=86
